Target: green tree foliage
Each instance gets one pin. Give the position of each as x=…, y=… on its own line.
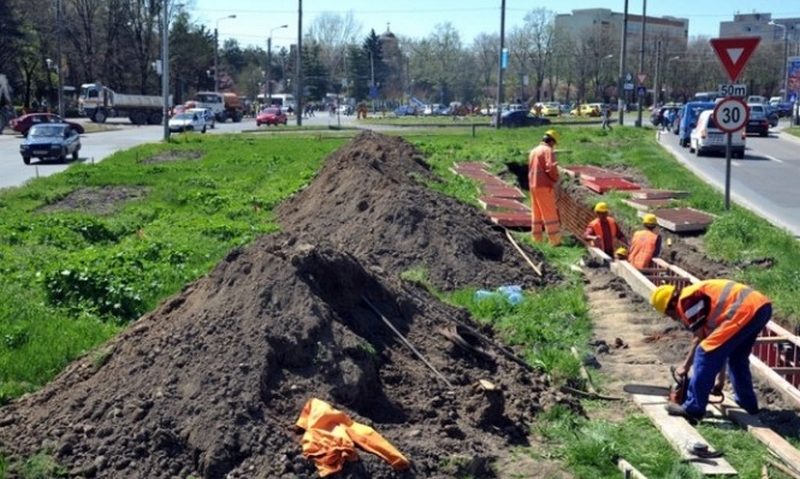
x=314, y=73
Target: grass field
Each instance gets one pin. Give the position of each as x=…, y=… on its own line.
x=72, y=279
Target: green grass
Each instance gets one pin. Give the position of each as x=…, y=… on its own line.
x=448, y=121
x=70, y=280
x=794, y=130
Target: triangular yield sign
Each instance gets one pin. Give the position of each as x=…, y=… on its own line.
x=734, y=53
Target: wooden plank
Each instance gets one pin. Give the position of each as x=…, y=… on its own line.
x=647, y=205
x=680, y=434
x=681, y=220
x=774, y=441
x=494, y=202
x=603, y=185
x=628, y=470
x=597, y=253
x=503, y=191
x=771, y=339
x=775, y=380
x=785, y=370
x=655, y=194
x=781, y=331
x=680, y=271
x=636, y=280
x=583, y=371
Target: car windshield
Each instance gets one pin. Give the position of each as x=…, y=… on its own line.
x=183, y=116
x=207, y=98
x=270, y=111
x=46, y=130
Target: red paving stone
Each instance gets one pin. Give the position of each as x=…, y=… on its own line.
x=493, y=202
x=682, y=220
x=646, y=205
x=602, y=185
x=653, y=194
x=503, y=192
x=511, y=219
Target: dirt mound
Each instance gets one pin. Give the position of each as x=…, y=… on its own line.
x=370, y=199
x=211, y=383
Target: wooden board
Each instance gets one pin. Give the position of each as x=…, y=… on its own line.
x=604, y=185
x=653, y=194
x=511, y=219
x=682, y=220
x=496, y=203
x=681, y=434
x=503, y=191
x=636, y=280
x=677, y=270
x=647, y=205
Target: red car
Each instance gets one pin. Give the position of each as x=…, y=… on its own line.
x=271, y=116
x=25, y=122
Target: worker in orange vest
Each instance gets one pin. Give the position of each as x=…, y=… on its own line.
x=645, y=243
x=542, y=178
x=725, y=317
x=602, y=231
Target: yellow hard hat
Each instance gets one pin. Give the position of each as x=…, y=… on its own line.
x=649, y=219
x=601, y=207
x=621, y=251
x=553, y=134
x=661, y=296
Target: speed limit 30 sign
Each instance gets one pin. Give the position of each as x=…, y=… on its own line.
x=731, y=114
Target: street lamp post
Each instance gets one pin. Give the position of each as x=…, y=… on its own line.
x=269, y=64
x=600, y=75
x=60, y=26
x=785, y=58
x=620, y=81
x=672, y=80
x=216, y=53
x=640, y=98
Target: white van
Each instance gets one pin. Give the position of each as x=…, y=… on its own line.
x=707, y=138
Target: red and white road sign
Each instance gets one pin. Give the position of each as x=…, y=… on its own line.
x=734, y=53
x=642, y=77
x=731, y=114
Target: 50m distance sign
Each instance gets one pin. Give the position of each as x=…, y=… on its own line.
x=731, y=114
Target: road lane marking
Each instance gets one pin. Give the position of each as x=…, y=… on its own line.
x=736, y=163
x=771, y=158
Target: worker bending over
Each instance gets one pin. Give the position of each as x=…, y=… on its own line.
x=645, y=243
x=602, y=231
x=542, y=178
x=725, y=318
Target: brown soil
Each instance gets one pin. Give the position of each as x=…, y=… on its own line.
x=211, y=383
x=174, y=155
x=101, y=201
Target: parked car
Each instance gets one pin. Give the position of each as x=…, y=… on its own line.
x=405, y=110
x=208, y=116
x=271, y=116
x=758, y=123
x=688, y=119
x=706, y=137
x=551, y=109
x=50, y=141
x=517, y=118
x=187, y=122
x=25, y=122
x=586, y=109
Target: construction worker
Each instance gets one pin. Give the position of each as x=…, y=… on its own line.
x=725, y=317
x=645, y=243
x=602, y=231
x=621, y=253
x=542, y=178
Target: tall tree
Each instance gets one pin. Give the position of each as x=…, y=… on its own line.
x=334, y=33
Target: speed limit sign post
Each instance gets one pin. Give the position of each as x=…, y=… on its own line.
x=731, y=115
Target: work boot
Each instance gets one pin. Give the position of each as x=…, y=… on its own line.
x=678, y=410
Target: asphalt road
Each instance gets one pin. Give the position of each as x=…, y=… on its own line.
x=765, y=181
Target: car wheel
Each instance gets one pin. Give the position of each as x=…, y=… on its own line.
x=63, y=157
x=75, y=155
x=698, y=151
x=99, y=117
x=691, y=147
x=26, y=160
x=203, y=130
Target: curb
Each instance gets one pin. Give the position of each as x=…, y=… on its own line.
x=735, y=197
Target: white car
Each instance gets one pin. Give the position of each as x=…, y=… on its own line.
x=208, y=116
x=707, y=138
x=188, y=121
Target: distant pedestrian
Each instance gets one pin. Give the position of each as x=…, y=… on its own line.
x=605, y=114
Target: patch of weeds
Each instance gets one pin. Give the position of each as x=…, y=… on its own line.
x=101, y=356
x=43, y=466
x=14, y=336
x=418, y=275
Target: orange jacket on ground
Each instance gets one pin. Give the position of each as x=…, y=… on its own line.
x=542, y=167
x=605, y=239
x=330, y=437
x=732, y=306
x=644, y=246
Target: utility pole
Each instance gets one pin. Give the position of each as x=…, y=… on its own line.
x=216, y=52
x=656, y=87
x=621, y=84
x=500, y=61
x=165, y=68
x=641, y=63
x=60, y=26
x=298, y=84
x=269, y=64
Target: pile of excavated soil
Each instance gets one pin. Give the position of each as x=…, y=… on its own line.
x=211, y=383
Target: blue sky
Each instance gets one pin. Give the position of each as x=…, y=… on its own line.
x=417, y=18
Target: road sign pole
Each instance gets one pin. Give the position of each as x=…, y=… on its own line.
x=728, y=172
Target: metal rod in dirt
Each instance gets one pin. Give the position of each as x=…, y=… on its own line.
x=406, y=342
x=511, y=238
x=728, y=172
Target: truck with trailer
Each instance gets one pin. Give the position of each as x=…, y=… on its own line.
x=98, y=103
x=224, y=105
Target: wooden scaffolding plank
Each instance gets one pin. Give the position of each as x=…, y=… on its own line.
x=636, y=280
x=628, y=471
x=774, y=379
x=681, y=434
x=774, y=441
x=677, y=270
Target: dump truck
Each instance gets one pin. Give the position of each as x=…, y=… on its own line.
x=224, y=105
x=98, y=103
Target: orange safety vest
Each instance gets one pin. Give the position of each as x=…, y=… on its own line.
x=733, y=305
x=605, y=244
x=542, y=167
x=643, y=246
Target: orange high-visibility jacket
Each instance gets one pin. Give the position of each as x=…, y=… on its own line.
x=732, y=306
x=542, y=167
x=643, y=247
x=605, y=244
x=331, y=434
